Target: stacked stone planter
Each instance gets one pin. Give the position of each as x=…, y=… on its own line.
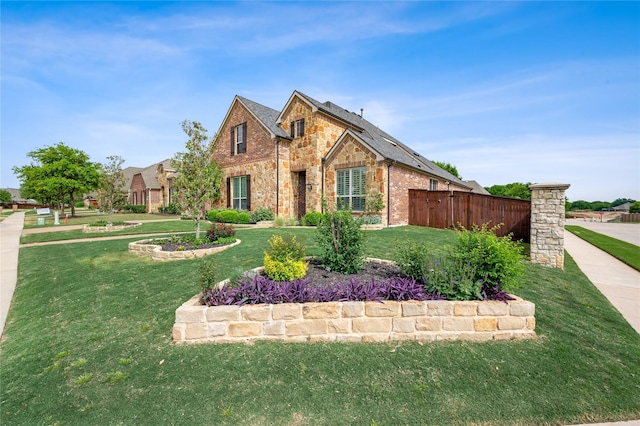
x=154, y=251
x=355, y=321
x=110, y=228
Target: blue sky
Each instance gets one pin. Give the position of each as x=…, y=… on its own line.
x=506, y=91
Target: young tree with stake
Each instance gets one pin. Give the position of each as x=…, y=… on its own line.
x=198, y=179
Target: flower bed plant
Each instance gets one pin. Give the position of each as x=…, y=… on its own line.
x=217, y=235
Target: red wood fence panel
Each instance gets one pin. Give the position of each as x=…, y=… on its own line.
x=446, y=209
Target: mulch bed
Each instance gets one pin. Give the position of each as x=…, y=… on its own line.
x=375, y=271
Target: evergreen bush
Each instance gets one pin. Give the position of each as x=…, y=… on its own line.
x=341, y=241
x=284, y=260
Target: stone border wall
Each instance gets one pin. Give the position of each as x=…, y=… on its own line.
x=154, y=251
x=355, y=321
x=102, y=229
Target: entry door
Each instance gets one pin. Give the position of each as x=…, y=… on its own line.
x=302, y=194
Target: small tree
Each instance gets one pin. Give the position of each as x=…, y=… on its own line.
x=448, y=167
x=199, y=177
x=635, y=207
x=5, y=196
x=111, y=194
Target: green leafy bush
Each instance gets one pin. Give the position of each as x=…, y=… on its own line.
x=453, y=279
x=244, y=218
x=311, y=219
x=284, y=260
x=260, y=214
x=341, y=241
x=635, y=207
x=497, y=260
x=227, y=216
x=79, y=204
x=212, y=214
x=413, y=259
x=171, y=208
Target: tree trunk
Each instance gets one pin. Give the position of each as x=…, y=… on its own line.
x=197, y=228
x=73, y=204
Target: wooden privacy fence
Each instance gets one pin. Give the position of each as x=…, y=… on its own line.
x=445, y=209
x=630, y=217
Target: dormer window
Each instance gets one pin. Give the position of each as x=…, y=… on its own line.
x=239, y=139
x=296, y=129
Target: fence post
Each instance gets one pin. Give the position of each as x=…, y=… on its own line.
x=547, y=224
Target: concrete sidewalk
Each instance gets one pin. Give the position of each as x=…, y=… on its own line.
x=617, y=281
x=10, y=230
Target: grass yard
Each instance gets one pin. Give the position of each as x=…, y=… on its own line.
x=85, y=216
x=621, y=250
x=145, y=228
x=88, y=341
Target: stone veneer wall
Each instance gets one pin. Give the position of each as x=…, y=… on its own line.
x=355, y=321
x=547, y=224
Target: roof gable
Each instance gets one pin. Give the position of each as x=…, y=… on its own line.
x=266, y=116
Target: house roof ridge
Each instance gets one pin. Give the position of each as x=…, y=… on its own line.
x=266, y=115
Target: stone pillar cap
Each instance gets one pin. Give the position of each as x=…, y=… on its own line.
x=550, y=185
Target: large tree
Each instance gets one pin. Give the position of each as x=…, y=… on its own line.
x=199, y=178
x=59, y=173
x=111, y=192
x=513, y=190
x=448, y=167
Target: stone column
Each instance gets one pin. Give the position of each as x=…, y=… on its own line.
x=547, y=224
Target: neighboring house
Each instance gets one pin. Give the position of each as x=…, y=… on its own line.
x=476, y=188
x=16, y=198
x=288, y=160
x=151, y=186
x=622, y=208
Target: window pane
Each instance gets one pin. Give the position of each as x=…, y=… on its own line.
x=357, y=204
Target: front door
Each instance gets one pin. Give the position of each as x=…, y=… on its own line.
x=302, y=194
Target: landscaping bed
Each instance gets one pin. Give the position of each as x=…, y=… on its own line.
x=93, y=228
x=173, y=251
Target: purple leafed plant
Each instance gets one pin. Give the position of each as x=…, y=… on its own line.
x=260, y=289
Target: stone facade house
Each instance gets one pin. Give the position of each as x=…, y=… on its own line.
x=288, y=160
x=151, y=186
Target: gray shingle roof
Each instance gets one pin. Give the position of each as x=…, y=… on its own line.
x=150, y=176
x=266, y=115
x=383, y=143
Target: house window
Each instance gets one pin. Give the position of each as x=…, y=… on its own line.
x=296, y=129
x=239, y=192
x=239, y=139
x=350, y=189
x=433, y=184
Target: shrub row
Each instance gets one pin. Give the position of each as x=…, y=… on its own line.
x=134, y=208
x=240, y=217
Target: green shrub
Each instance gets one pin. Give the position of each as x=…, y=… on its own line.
x=244, y=218
x=171, y=208
x=227, y=216
x=208, y=275
x=413, y=259
x=453, y=279
x=497, y=260
x=311, y=219
x=341, y=242
x=284, y=260
x=79, y=204
x=280, y=221
x=635, y=207
x=220, y=230
x=212, y=215
x=260, y=214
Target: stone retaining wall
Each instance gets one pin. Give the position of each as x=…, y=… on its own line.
x=355, y=321
x=111, y=228
x=154, y=251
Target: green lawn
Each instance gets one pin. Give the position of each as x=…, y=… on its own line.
x=88, y=341
x=85, y=216
x=621, y=250
x=145, y=228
